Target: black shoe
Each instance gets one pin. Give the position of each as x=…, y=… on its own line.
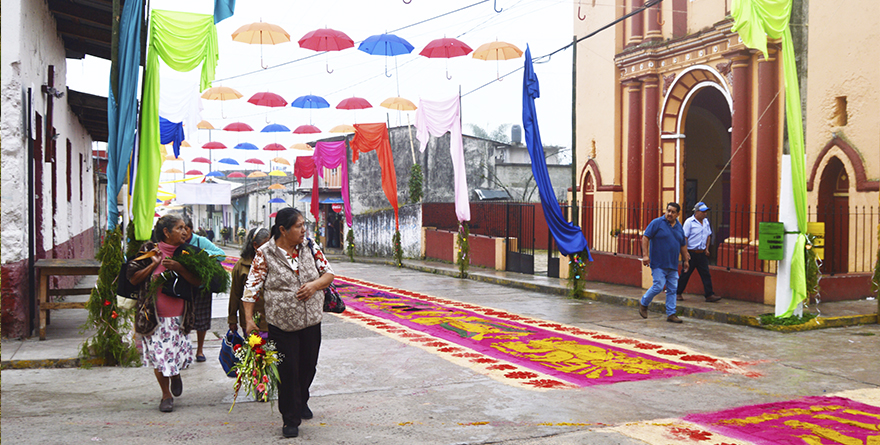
x=289, y=431
x=679, y=298
x=176, y=385
x=167, y=405
x=712, y=298
x=643, y=310
x=306, y=413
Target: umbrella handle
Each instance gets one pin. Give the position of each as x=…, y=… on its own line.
x=407, y=2
x=579, y=13
x=329, y=71
x=494, y=6
x=386, y=65
x=448, y=77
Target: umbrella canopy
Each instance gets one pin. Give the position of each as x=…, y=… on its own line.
x=172, y=158
x=301, y=146
x=310, y=101
x=385, y=45
x=272, y=215
x=277, y=173
x=229, y=161
x=267, y=99
x=277, y=201
x=254, y=161
x=276, y=187
x=261, y=33
x=205, y=125
x=257, y=174
x=398, y=103
x=354, y=103
x=306, y=129
x=275, y=128
x=280, y=160
x=201, y=160
x=274, y=147
x=235, y=175
x=220, y=93
x=445, y=48
x=193, y=172
x=214, y=146
x=326, y=39
x=215, y=174
x=246, y=146
x=185, y=144
x=342, y=129
x=497, y=51
x=238, y=126
x=173, y=170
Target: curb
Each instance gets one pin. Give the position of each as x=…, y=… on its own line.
x=49, y=363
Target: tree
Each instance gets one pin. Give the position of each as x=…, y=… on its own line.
x=500, y=134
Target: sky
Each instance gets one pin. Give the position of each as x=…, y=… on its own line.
x=545, y=25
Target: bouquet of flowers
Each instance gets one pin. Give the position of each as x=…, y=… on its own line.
x=257, y=368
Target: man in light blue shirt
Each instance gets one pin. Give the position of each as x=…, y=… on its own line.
x=202, y=303
x=662, y=243
x=699, y=238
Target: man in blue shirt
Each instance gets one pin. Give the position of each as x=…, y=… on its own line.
x=699, y=237
x=202, y=303
x=662, y=243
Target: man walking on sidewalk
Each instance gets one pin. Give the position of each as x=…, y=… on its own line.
x=699, y=237
x=662, y=242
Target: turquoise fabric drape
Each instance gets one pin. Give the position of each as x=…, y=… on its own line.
x=184, y=41
x=755, y=21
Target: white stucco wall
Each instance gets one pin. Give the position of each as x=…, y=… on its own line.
x=30, y=44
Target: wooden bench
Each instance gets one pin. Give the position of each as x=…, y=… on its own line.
x=58, y=266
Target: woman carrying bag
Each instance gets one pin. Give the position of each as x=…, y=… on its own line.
x=291, y=276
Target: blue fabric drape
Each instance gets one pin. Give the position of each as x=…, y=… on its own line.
x=171, y=133
x=223, y=9
x=122, y=112
x=568, y=236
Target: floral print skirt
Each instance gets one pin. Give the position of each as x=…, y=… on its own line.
x=168, y=349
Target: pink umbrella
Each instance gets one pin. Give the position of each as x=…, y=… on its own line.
x=201, y=160
x=236, y=175
x=306, y=129
x=193, y=172
x=254, y=161
x=326, y=39
x=446, y=48
x=274, y=147
x=354, y=103
x=238, y=126
x=268, y=99
x=214, y=146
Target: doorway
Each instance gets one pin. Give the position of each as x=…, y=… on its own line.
x=833, y=210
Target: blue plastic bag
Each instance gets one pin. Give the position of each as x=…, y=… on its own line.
x=227, y=353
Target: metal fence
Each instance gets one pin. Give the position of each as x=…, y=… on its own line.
x=850, y=233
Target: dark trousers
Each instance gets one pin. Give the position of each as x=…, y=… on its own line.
x=700, y=263
x=297, y=369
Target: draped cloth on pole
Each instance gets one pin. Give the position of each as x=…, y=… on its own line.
x=369, y=137
x=184, y=41
x=122, y=111
x=755, y=21
x=304, y=167
x=436, y=118
x=568, y=236
x=170, y=133
x=332, y=155
x=179, y=101
x=223, y=9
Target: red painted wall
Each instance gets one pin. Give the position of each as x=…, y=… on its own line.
x=845, y=287
x=438, y=245
x=615, y=269
x=482, y=251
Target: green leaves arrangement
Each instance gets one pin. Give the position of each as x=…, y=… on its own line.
x=349, y=244
x=464, y=248
x=577, y=273
x=415, y=184
x=398, y=249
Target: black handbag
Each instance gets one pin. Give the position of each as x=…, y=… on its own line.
x=332, y=301
x=176, y=286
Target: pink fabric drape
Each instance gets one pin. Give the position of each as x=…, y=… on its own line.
x=435, y=118
x=332, y=155
x=369, y=137
x=304, y=167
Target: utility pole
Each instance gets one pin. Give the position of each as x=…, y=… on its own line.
x=574, y=174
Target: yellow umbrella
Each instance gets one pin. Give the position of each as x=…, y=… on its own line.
x=205, y=125
x=342, y=129
x=257, y=174
x=301, y=146
x=277, y=173
x=261, y=33
x=221, y=94
x=276, y=187
x=398, y=103
x=173, y=170
x=172, y=158
x=281, y=160
x=185, y=144
x=497, y=51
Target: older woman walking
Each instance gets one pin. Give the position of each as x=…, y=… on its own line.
x=291, y=271
x=166, y=345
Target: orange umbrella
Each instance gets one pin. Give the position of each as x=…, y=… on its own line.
x=205, y=125
x=276, y=187
x=342, y=129
x=301, y=146
x=398, y=103
x=497, y=51
x=280, y=160
x=257, y=174
x=261, y=33
x=221, y=94
x=173, y=170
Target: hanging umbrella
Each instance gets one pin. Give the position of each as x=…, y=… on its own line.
x=398, y=103
x=254, y=161
x=445, y=48
x=185, y=144
x=194, y=172
x=173, y=171
x=497, y=51
x=280, y=160
x=326, y=39
x=172, y=158
x=201, y=160
x=236, y=175
x=274, y=147
x=215, y=174
x=238, y=126
x=277, y=173
x=301, y=146
x=385, y=45
x=267, y=99
x=342, y=129
x=354, y=103
x=273, y=214
x=310, y=101
x=205, y=125
x=261, y=33
x=306, y=129
x=221, y=94
x=276, y=187
x=274, y=128
x=214, y=146
x=246, y=146
x=229, y=161
x=257, y=174
x=277, y=201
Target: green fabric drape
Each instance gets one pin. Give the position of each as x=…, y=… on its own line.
x=184, y=41
x=755, y=21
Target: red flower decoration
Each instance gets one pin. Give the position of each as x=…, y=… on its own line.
x=545, y=383
x=502, y=367
x=484, y=360
x=670, y=352
x=259, y=351
x=236, y=347
x=113, y=314
x=520, y=375
x=107, y=303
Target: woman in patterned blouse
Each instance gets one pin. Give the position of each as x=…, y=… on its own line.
x=291, y=272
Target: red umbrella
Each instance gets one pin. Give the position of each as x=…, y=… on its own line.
x=326, y=39
x=268, y=99
x=354, y=103
x=236, y=175
x=274, y=147
x=214, y=146
x=306, y=129
x=446, y=48
x=237, y=126
x=201, y=160
x=193, y=172
x=273, y=214
x=254, y=161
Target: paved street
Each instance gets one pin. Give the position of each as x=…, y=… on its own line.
x=372, y=388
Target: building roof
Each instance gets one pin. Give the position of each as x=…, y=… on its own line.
x=84, y=26
x=91, y=111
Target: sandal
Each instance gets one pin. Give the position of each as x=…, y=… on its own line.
x=201, y=358
x=167, y=405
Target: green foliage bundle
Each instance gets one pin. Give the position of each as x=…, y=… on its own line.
x=813, y=275
x=110, y=322
x=415, y=184
x=464, y=249
x=577, y=273
x=204, y=266
x=794, y=320
x=349, y=244
x=398, y=249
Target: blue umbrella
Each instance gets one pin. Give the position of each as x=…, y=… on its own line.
x=246, y=146
x=229, y=161
x=215, y=174
x=310, y=101
x=276, y=201
x=385, y=45
x=274, y=128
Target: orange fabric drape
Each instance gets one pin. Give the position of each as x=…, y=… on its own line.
x=369, y=137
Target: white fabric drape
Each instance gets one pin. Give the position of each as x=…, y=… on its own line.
x=179, y=101
x=435, y=118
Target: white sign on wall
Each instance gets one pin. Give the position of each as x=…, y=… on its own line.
x=207, y=193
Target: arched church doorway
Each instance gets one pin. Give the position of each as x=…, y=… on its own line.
x=588, y=206
x=833, y=210
x=706, y=150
